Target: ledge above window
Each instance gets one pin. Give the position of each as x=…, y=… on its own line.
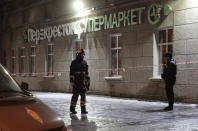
x=112, y=78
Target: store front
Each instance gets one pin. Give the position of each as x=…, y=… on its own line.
x=124, y=45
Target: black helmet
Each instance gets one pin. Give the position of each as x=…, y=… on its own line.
x=168, y=54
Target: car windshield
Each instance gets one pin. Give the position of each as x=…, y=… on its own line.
x=7, y=83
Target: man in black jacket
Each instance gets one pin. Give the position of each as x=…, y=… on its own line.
x=79, y=80
x=169, y=76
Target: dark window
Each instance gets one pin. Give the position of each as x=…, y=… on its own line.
x=22, y=60
x=4, y=59
x=13, y=61
x=32, y=60
x=50, y=53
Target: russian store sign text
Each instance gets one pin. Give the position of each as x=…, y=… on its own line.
x=103, y=22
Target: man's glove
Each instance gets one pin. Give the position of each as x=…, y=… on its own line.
x=86, y=83
x=162, y=75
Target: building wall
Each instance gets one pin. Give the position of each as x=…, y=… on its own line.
x=137, y=51
x=1, y=29
x=185, y=37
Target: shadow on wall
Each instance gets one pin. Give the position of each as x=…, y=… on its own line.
x=47, y=85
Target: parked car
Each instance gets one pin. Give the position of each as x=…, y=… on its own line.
x=21, y=111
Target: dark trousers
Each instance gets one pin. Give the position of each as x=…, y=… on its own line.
x=170, y=94
x=76, y=93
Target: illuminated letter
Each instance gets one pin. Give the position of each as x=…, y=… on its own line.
x=67, y=26
x=120, y=18
x=115, y=22
x=30, y=35
x=108, y=22
x=72, y=28
x=101, y=21
x=55, y=32
x=37, y=36
x=126, y=17
x=133, y=16
x=49, y=33
x=64, y=29
x=45, y=33
x=140, y=14
x=90, y=25
x=60, y=30
x=96, y=24
x=41, y=34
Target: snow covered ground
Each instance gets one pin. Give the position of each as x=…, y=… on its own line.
x=118, y=114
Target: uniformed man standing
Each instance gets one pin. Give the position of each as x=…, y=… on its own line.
x=169, y=76
x=79, y=80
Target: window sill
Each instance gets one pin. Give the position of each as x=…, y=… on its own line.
x=50, y=76
x=111, y=78
x=14, y=75
x=33, y=75
x=23, y=75
x=156, y=79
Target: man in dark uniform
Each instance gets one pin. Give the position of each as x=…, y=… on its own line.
x=79, y=80
x=169, y=76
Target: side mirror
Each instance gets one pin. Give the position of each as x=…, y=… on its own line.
x=24, y=86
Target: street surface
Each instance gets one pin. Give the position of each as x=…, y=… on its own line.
x=118, y=114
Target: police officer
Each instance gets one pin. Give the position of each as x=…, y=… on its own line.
x=169, y=76
x=79, y=80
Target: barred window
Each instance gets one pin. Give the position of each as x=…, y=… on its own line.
x=13, y=61
x=5, y=59
x=49, y=62
x=165, y=44
x=162, y=43
x=22, y=60
x=32, y=60
x=116, y=51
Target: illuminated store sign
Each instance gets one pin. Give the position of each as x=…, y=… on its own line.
x=97, y=23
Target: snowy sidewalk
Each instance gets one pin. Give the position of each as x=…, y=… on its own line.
x=118, y=114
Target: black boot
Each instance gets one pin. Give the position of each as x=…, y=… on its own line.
x=168, y=108
x=83, y=110
x=72, y=110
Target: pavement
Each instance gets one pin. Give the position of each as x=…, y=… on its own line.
x=119, y=114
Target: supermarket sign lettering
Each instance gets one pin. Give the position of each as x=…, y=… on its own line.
x=124, y=18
